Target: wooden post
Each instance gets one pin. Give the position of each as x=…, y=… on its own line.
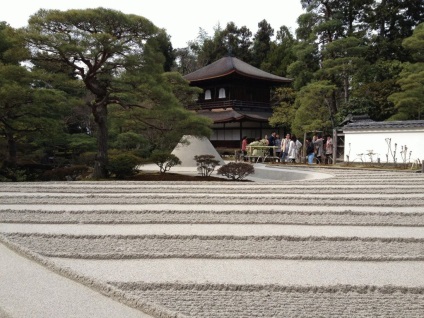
x=334, y=146
x=422, y=166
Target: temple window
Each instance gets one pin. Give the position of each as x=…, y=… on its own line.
x=221, y=93
x=208, y=94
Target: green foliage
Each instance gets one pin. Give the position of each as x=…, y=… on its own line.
x=181, y=89
x=164, y=160
x=355, y=106
x=206, y=164
x=26, y=111
x=261, y=43
x=284, y=113
x=236, y=170
x=415, y=43
x=68, y=173
x=79, y=143
x=343, y=58
x=114, y=54
x=130, y=140
x=313, y=111
x=86, y=158
x=13, y=174
x=372, y=85
x=24, y=171
x=281, y=53
x=123, y=165
x=306, y=64
x=409, y=102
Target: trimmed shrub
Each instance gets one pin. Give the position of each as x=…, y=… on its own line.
x=206, y=164
x=236, y=170
x=123, y=165
x=164, y=160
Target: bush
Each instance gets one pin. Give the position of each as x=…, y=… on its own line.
x=86, y=158
x=164, y=160
x=69, y=173
x=22, y=171
x=123, y=165
x=236, y=170
x=206, y=164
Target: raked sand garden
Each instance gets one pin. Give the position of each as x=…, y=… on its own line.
x=350, y=244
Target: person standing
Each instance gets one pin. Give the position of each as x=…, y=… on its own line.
x=244, y=147
x=310, y=150
x=291, y=153
x=294, y=147
x=271, y=143
x=329, y=150
x=319, y=148
x=285, y=148
x=278, y=145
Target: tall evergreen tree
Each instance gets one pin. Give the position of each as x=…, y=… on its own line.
x=114, y=54
x=281, y=53
x=409, y=102
x=261, y=43
x=26, y=98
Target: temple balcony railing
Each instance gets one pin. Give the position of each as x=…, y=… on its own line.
x=234, y=104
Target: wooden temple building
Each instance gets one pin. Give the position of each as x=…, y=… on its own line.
x=237, y=97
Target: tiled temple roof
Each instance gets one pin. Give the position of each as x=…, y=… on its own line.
x=229, y=65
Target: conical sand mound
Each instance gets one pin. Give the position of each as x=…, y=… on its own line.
x=196, y=146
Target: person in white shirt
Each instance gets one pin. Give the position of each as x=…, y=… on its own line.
x=285, y=148
x=294, y=148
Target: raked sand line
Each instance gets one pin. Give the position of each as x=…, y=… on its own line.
x=358, y=200
x=163, y=194
x=353, y=218
x=243, y=190
x=190, y=208
x=222, y=247
x=216, y=229
x=272, y=301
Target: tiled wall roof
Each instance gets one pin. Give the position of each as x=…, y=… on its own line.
x=401, y=124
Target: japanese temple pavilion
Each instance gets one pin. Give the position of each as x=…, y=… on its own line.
x=236, y=96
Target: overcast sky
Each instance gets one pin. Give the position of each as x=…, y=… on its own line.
x=181, y=18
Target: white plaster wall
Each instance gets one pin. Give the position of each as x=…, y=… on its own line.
x=360, y=142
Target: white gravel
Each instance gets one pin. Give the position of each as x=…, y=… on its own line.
x=204, y=207
x=284, y=272
x=216, y=229
x=28, y=289
x=278, y=248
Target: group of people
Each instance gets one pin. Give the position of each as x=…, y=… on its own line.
x=288, y=149
x=319, y=150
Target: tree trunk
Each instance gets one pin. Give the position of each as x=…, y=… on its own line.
x=100, y=117
x=11, y=149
